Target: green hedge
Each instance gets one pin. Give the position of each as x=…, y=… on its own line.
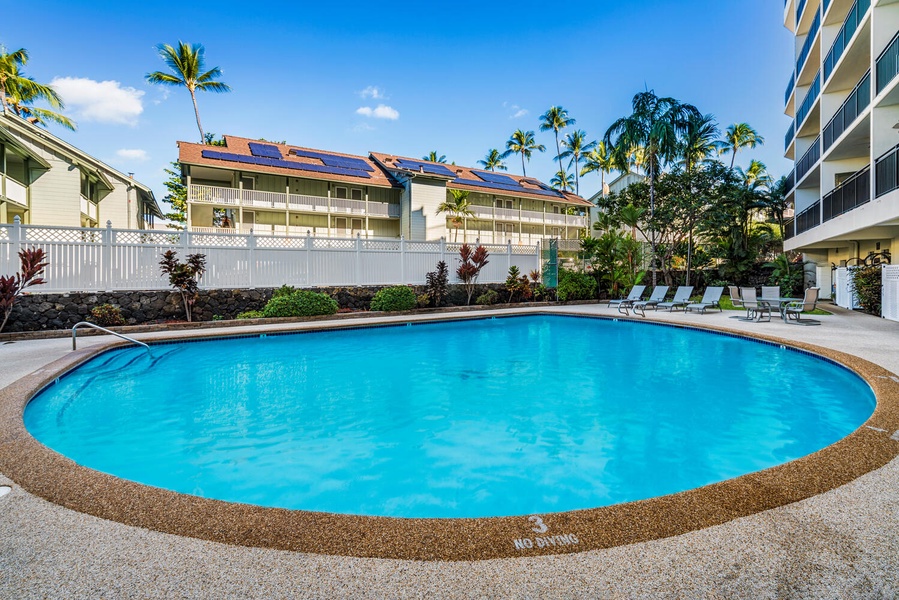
x=390, y=299
x=575, y=286
x=300, y=303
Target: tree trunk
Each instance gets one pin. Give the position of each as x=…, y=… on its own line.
x=523, y=172
x=577, y=180
x=193, y=97
x=689, y=253
x=652, y=213
x=559, y=155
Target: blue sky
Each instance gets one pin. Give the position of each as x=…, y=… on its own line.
x=457, y=78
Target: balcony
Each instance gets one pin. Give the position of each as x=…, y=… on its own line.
x=15, y=191
x=791, y=133
x=800, y=8
x=858, y=100
x=806, y=107
x=809, y=159
x=89, y=209
x=809, y=41
x=888, y=64
x=791, y=182
x=255, y=199
x=886, y=172
x=790, y=86
x=809, y=218
x=528, y=216
x=789, y=228
x=850, y=194
x=850, y=25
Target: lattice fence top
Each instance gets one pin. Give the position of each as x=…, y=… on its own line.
x=280, y=242
x=219, y=240
x=61, y=235
x=333, y=244
x=891, y=272
x=4, y=232
x=152, y=238
x=382, y=245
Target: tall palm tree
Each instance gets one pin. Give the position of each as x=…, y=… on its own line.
x=656, y=125
x=736, y=137
x=19, y=92
x=432, y=156
x=459, y=208
x=187, y=63
x=756, y=175
x=576, y=145
x=493, y=160
x=523, y=143
x=562, y=181
x=599, y=159
x=700, y=141
x=556, y=119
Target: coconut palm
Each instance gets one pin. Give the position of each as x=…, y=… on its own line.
x=737, y=136
x=656, y=125
x=562, y=181
x=556, y=119
x=599, y=159
x=432, y=156
x=493, y=160
x=187, y=63
x=756, y=175
x=459, y=208
x=523, y=143
x=19, y=92
x=700, y=141
x=576, y=145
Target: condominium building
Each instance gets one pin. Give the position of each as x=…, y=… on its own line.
x=843, y=96
x=46, y=181
x=278, y=189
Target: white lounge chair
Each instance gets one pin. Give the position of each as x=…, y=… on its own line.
x=710, y=299
x=680, y=300
x=636, y=294
x=658, y=295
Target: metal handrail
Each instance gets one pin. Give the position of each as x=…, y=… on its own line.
x=118, y=335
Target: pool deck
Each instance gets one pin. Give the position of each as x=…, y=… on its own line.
x=842, y=543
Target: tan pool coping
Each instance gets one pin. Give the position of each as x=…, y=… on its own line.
x=58, y=479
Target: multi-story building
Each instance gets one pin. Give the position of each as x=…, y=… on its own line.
x=843, y=96
x=288, y=190
x=46, y=181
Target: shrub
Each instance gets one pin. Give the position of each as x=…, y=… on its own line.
x=423, y=301
x=574, y=285
x=470, y=264
x=867, y=283
x=437, y=282
x=488, y=297
x=516, y=283
x=250, y=314
x=400, y=297
x=107, y=315
x=284, y=290
x=184, y=277
x=300, y=303
x=32, y=263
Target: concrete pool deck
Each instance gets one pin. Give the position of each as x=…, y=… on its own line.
x=844, y=542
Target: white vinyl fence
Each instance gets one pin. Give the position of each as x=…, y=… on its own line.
x=889, y=306
x=106, y=259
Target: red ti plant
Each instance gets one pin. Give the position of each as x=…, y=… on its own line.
x=12, y=286
x=470, y=265
x=184, y=276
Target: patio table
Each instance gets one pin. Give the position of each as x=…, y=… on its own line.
x=780, y=302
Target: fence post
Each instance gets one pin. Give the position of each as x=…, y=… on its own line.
x=443, y=249
x=508, y=255
x=357, y=266
x=251, y=258
x=105, y=267
x=309, y=281
x=403, y=259
x=15, y=246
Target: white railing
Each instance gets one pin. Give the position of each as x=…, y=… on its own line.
x=526, y=216
x=88, y=208
x=213, y=194
x=16, y=192
x=95, y=259
x=209, y=194
x=257, y=199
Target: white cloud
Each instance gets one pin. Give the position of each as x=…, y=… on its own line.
x=134, y=154
x=373, y=92
x=381, y=112
x=517, y=111
x=362, y=127
x=100, y=101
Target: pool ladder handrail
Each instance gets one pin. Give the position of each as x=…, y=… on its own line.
x=118, y=335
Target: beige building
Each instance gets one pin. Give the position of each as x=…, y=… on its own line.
x=843, y=96
x=46, y=181
x=278, y=189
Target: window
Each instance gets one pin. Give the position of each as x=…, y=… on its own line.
x=248, y=183
x=340, y=192
x=507, y=228
x=510, y=204
x=357, y=225
x=356, y=194
x=340, y=223
x=555, y=210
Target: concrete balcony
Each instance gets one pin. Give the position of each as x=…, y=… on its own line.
x=280, y=201
x=13, y=191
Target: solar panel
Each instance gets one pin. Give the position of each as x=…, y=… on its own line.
x=284, y=164
x=495, y=178
x=509, y=188
x=264, y=150
x=414, y=165
x=335, y=161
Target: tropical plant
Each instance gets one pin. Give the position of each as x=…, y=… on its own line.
x=576, y=145
x=523, y=143
x=176, y=197
x=251, y=314
x=787, y=275
x=299, y=303
x=32, y=263
x=699, y=141
x=459, y=208
x=187, y=63
x=184, y=276
x=737, y=137
x=396, y=298
x=432, y=156
x=437, y=283
x=556, y=119
x=493, y=160
x=470, y=264
x=599, y=159
x=756, y=175
x=562, y=181
x=19, y=92
x=487, y=298
x=867, y=283
x=107, y=315
x=574, y=285
x=519, y=284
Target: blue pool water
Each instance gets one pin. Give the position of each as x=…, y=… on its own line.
x=476, y=418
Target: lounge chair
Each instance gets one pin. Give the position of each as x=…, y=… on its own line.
x=680, y=300
x=710, y=299
x=770, y=291
x=735, y=298
x=658, y=295
x=794, y=310
x=636, y=294
x=755, y=308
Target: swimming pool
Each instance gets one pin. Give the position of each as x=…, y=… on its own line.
x=487, y=417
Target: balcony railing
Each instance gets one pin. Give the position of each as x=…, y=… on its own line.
x=790, y=86
x=209, y=194
x=850, y=194
x=15, y=191
x=809, y=159
x=857, y=101
x=791, y=182
x=826, y=4
x=527, y=216
x=809, y=218
x=886, y=172
x=789, y=228
x=791, y=133
x=799, y=9
x=89, y=209
x=850, y=25
x=807, y=45
x=888, y=64
x=806, y=107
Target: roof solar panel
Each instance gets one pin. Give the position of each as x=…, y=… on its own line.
x=264, y=150
x=495, y=178
x=414, y=165
x=508, y=188
x=344, y=162
x=284, y=164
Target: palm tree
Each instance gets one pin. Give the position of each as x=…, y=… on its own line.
x=19, y=92
x=756, y=175
x=700, y=141
x=459, y=208
x=562, y=181
x=493, y=160
x=187, y=63
x=433, y=157
x=599, y=159
x=576, y=145
x=737, y=136
x=523, y=143
x=656, y=125
x=556, y=119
